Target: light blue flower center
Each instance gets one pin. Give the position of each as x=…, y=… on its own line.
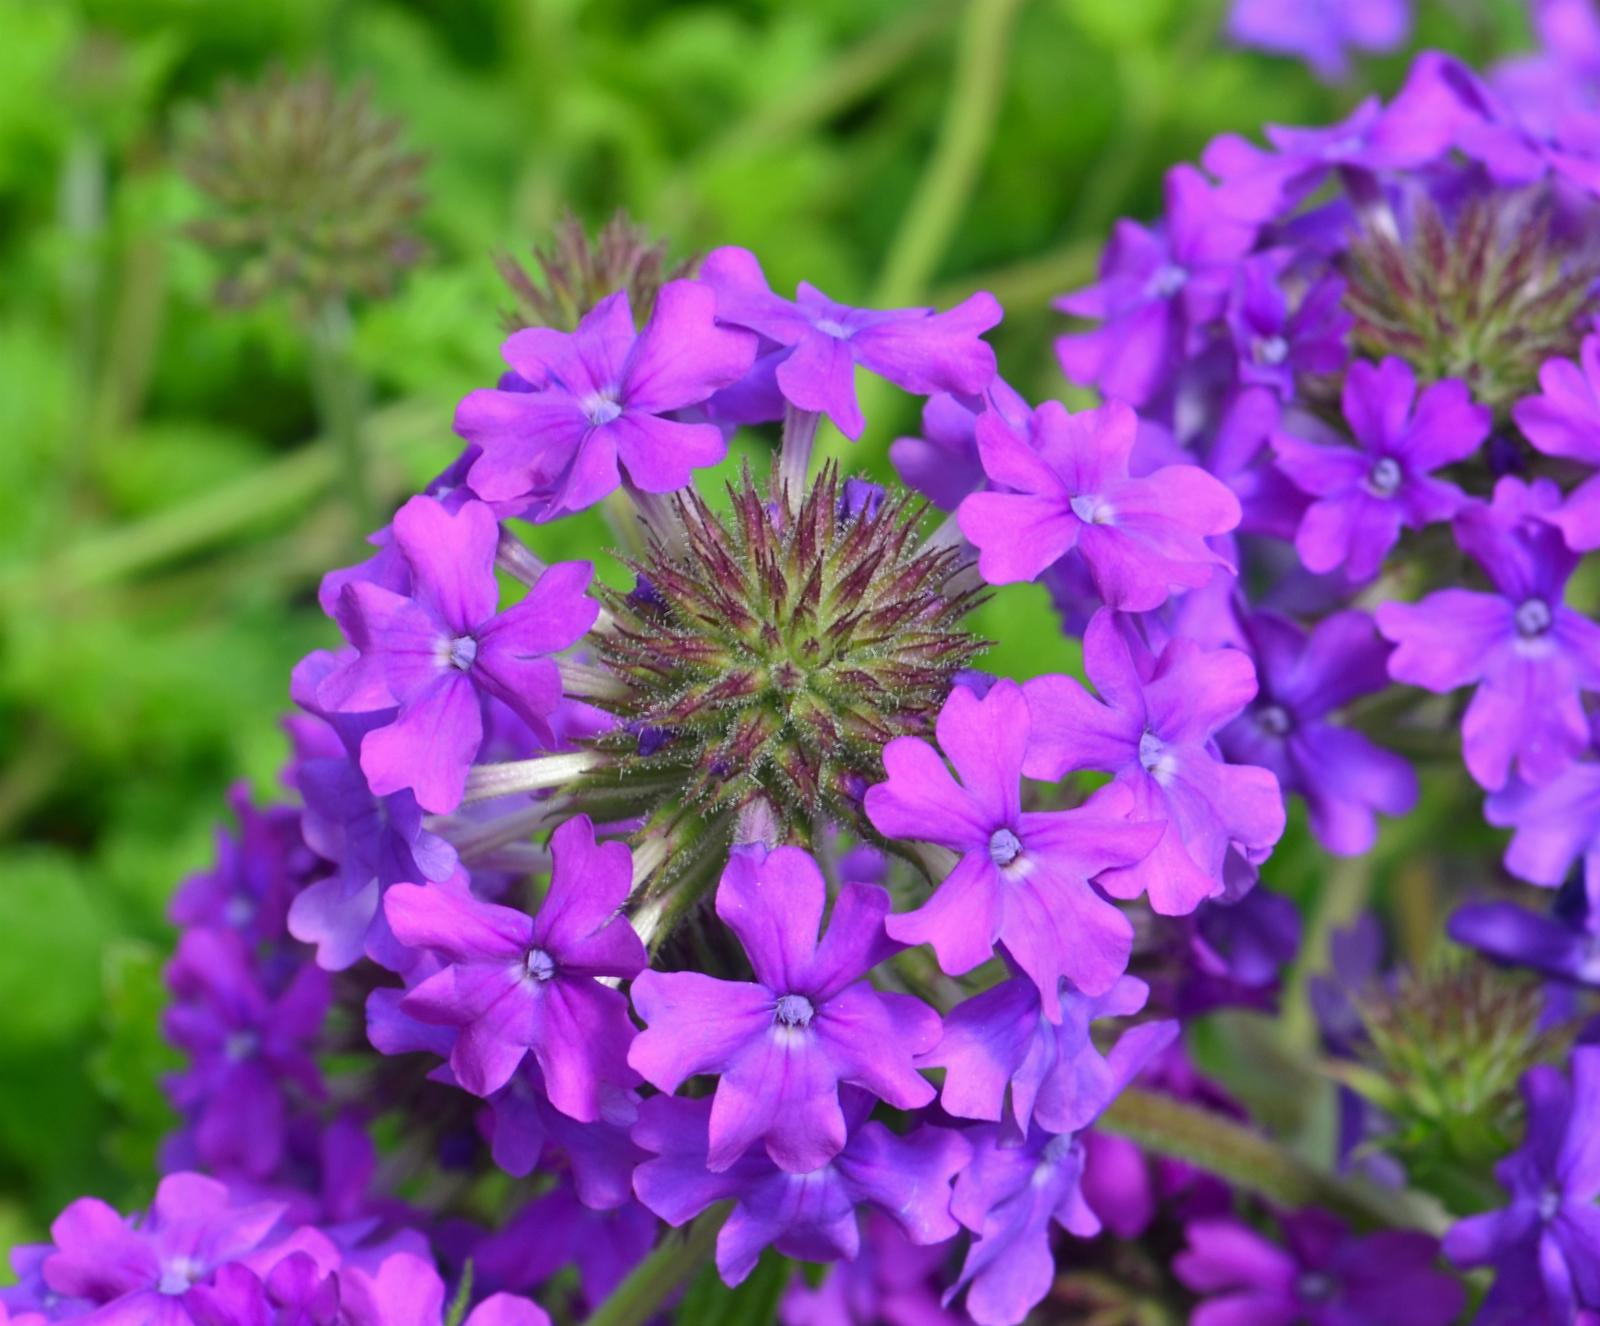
x=1274, y=720
x=1166, y=281
x=834, y=328
x=1549, y=1204
x=1384, y=479
x=1004, y=847
x=600, y=408
x=178, y=1274
x=240, y=1045
x=1271, y=350
x=1533, y=618
x=794, y=1011
x=1091, y=509
x=539, y=964
x=1314, y=1287
x=463, y=652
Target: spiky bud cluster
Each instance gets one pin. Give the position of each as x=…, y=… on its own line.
x=312, y=192
x=1485, y=296
x=768, y=656
x=576, y=273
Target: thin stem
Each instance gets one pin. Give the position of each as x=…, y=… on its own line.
x=487, y=781
x=794, y=454
x=1183, y=1132
x=341, y=397
x=656, y=511
x=584, y=681
x=941, y=196
x=515, y=558
x=475, y=839
x=672, y=1262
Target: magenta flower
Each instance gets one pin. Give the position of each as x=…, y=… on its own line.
x=917, y=349
x=809, y=1023
x=1530, y=655
x=515, y=984
x=1545, y=1245
x=1066, y=485
x=1023, y=879
x=1564, y=421
x=1007, y=1063
x=1152, y=730
x=1322, y=1277
x=405, y=1290
x=1364, y=497
x=439, y=652
x=808, y=1216
x=943, y=463
x=602, y=397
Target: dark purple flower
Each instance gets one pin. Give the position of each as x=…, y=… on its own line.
x=1023, y=877
x=1321, y=32
x=1529, y=654
x=1553, y=825
x=255, y=873
x=440, y=652
x=1275, y=344
x=249, y=1050
x=917, y=349
x=1066, y=486
x=943, y=463
x=1551, y=943
x=809, y=1023
x=1321, y=1277
x=890, y=1282
x=1344, y=778
x=1009, y=1197
x=808, y=1216
x=1007, y=1063
x=1545, y=1245
x=515, y=984
x=1564, y=421
x=1152, y=729
x=1365, y=495
x=1157, y=289
x=603, y=397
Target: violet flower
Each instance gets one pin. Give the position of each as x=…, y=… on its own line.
x=943, y=463
x=602, y=398
x=1275, y=344
x=1553, y=825
x=438, y=653
x=1023, y=879
x=1544, y=1245
x=891, y=1282
x=1530, y=655
x=1321, y=32
x=405, y=1290
x=1564, y=421
x=917, y=349
x=808, y=1216
x=1067, y=486
x=515, y=984
x=1365, y=496
x=1152, y=730
x=808, y=1024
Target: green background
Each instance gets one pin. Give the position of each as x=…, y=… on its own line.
x=166, y=505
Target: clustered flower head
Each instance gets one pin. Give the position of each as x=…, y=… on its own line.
x=714, y=883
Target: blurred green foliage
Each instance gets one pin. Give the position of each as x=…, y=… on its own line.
x=166, y=505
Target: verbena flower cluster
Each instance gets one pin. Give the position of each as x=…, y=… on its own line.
x=715, y=883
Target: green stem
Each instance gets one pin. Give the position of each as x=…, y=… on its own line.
x=341, y=396
x=964, y=137
x=1230, y=1151
x=677, y=1257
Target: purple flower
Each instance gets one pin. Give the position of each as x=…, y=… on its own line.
x=1303, y=678
x=1545, y=1245
x=1067, y=486
x=601, y=397
x=943, y=464
x=808, y=1216
x=1152, y=730
x=917, y=349
x=809, y=1023
x=1564, y=421
x=405, y=1290
x=255, y=874
x=891, y=1282
x=1006, y=1063
x=440, y=652
x=143, y=1271
x=1157, y=288
x=1530, y=655
x=250, y=1051
x=1322, y=1277
x=1274, y=344
x=1553, y=824
x=1009, y=1196
x=1023, y=878
x=1549, y=943
x=1365, y=496
x=515, y=984
x=1321, y=32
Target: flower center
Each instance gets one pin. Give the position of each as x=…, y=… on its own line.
x=1314, y=1287
x=178, y=1274
x=1274, y=720
x=1156, y=758
x=1549, y=1204
x=794, y=1011
x=1004, y=847
x=600, y=408
x=240, y=1045
x=1533, y=618
x=463, y=652
x=1270, y=350
x=1383, y=480
x=832, y=327
x=1091, y=509
x=1166, y=281
x=539, y=964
